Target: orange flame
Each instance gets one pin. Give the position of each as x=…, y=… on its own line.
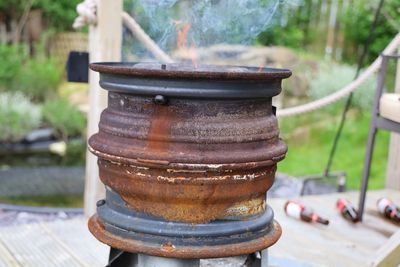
x=195, y=56
x=182, y=30
x=260, y=68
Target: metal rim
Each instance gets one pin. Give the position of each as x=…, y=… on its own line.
x=115, y=213
x=177, y=70
x=184, y=252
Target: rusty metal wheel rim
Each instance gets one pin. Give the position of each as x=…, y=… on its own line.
x=171, y=251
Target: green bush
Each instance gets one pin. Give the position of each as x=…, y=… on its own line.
x=64, y=117
x=75, y=154
x=332, y=77
x=60, y=14
x=11, y=60
x=38, y=78
x=18, y=116
x=357, y=22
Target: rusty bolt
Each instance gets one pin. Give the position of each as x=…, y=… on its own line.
x=101, y=202
x=160, y=100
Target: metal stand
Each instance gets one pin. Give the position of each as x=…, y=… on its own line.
x=258, y=259
x=377, y=122
x=120, y=258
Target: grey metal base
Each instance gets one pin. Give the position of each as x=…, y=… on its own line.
x=123, y=259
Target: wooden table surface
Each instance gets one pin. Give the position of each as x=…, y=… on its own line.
x=341, y=243
x=69, y=243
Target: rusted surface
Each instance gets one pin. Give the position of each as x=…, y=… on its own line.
x=189, y=151
x=175, y=70
x=170, y=250
x=194, y=197
x=191, y=160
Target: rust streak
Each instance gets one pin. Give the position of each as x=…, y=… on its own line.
x=160, y=126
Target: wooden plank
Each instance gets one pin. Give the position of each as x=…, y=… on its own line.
x=6, y=257
x=104, y=45
x=341, y=243
x=75, y=235
x=389, y=254
x=393, y=165
x=32, y=247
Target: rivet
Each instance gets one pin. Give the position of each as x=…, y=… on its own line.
x=101, y=202
x=160, y=100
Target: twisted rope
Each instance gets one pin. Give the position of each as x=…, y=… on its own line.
x=87, y=16
x=351, y=87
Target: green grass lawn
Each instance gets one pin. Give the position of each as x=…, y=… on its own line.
x=309, y=154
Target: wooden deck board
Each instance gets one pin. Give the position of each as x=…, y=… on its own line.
x=341, y=243
x=69, y=243
x=58, y=243
x=31, y=246
x=76, y=236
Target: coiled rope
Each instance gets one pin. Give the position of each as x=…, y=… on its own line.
x=87, y=16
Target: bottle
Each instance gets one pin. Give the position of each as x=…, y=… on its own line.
x=387, y=208
x=299, y=211
x=347, y=210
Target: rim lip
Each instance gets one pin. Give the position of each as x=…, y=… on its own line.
x=184, y=252
x=188, y=71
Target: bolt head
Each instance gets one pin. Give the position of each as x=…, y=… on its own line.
x=101, y=202
x=160, y=100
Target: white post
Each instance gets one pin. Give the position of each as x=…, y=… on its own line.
x=105, y=40
x=393, y=167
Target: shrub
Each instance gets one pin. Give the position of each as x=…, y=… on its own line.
x=38, y=78
x=64, y=117
x=332, y=77
x=360, y=16
x=75, y=154
x=11, y=60
x=18, y=116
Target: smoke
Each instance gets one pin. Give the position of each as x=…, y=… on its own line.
x=206, y=22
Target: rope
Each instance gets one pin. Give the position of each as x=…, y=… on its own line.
x=351, y=87
x=346, y=109
x=87, y=16
x=141, y=35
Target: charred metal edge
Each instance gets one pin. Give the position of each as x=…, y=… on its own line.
x=171, y=250
x=168, y=71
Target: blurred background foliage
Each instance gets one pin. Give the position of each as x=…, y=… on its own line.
x=309, y=26
x=59, y=14
x=32, y=77
x=325, y=37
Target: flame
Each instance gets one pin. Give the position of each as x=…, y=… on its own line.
x=260, y=68
x=195, y=56
x=182, y=30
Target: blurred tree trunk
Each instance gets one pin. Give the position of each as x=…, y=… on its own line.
x=17, y=24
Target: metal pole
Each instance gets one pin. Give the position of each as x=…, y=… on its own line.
x=152, y=261
x=264, y=258
x=120, y=258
